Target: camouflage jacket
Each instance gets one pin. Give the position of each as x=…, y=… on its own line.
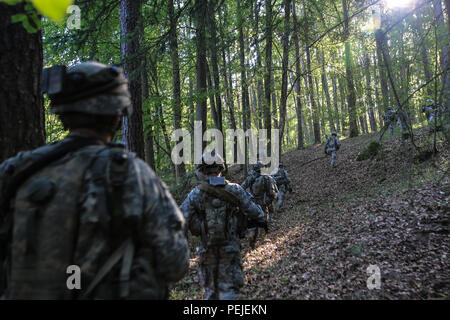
x=252, y=175
x=81, y=234
x=194, y=209
x=282, y=177
x=390, y=116
x=332, y=144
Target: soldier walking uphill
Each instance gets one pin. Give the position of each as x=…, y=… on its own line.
x=264, y=192
x=283, y=180
x=87, y=202
x=389, y=118
x=217, y=211
x=263, y=188
x=331, y=146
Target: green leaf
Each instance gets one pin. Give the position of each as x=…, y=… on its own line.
x=21, y=17
x=11, y=2
x=53, y=9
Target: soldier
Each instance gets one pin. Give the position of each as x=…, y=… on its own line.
x=85, y=205
x=217, y=211
x=432, y=111
x=389, y=118
x=331, y=146
x=283, y=180
x=252, y=175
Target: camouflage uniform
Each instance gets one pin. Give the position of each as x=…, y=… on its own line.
x=283, y=181
x=220, y=224
x=331, y=146
x=252, y=175
x=389, y=118
x=92, y=207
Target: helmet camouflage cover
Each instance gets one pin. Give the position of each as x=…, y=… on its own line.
x=211, y=160
x=89, y=87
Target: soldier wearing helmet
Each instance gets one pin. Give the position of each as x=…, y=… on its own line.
x=219, y=212
x=87, y=203
x=283, y=180
x=389, y=117
x=331, y=146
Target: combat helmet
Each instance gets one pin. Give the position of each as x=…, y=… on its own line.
x=333, y=133
x=88, y=87
x=257, y=166
x=211, y=163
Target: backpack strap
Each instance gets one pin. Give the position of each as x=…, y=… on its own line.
x=219, y=192
x=116, y=165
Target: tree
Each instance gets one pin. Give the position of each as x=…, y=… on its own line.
x=285, y=65
x=297, y=85
x=132, y=126
x=21, y=102
x=349, y=75
x=173, y=39
x=268, y=78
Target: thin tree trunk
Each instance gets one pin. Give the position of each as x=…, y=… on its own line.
x=297, y=85
x=200, y=12
x=380, y=42
x=284, y=67
x=177, y=110
x=368, y=94
x=335, y=103
x=244, y=85
x=349, y=74
x=268, y=84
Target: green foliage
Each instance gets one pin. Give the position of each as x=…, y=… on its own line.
x=370, y=151
x=53, y=9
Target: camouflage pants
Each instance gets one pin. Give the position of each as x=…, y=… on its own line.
x=333, y=155
x=281, y=192
x=220, y=272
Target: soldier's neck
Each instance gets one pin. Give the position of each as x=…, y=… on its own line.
x=104, y=137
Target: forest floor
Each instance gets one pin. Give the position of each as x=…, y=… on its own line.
x=391, y=211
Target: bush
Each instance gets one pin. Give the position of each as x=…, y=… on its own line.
x=369, y=152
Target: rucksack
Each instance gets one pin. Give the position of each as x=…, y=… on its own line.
x=264, y=188
x=45, y=232
x=222, y=215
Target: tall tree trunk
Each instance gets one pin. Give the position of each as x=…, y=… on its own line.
x=343, y=104
x=368, y=93
x=244, y=85
x=420, y=43
x=148, y=127
x=327, y=92
x=349, y=74
x=176, y=107
x=200, y=12
x=259, y=68
x=297, y=85
x=284, y=67
x=443, y=42
x=335, y=102
x=268, y=84
x=214, y=61
x=21, y=104
x=130, y=32
x=314, y=104
x=380, y=42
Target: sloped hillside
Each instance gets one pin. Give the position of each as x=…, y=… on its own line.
x=391, y=211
